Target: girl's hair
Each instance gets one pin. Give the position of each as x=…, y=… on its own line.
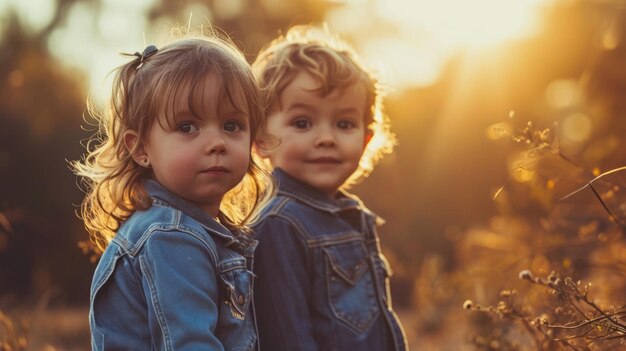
x=335, y=65
x=143, y=89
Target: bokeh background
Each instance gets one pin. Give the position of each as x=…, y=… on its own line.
x=471, y=195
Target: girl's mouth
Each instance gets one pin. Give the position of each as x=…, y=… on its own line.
x=216, y=170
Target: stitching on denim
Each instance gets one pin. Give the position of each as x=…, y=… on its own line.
x=277, y=207
x=287, y=191
x=295, y=224
x=122, y=242
x=144, y=237
x=239, y=312
x=352, y=325
x=100, y=339
x=156, y=303
x=339, y=269
x=291, y=192
x=276, y=211
x=394, y=329
x=180, y=215
x=107, y=273
x=183, y=229
x=177, y=218
x=393, y=321
x=336, y=239
x=232, y=264
x=386, y=265
x=210, y=245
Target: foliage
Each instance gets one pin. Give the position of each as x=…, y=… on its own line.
x=11, y=338
x=592, y=249
x=576, y=323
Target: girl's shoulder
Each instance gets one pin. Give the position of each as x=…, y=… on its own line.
x=144, y=225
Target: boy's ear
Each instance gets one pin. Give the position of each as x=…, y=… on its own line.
x=136, y=148
x=369, y=134
x=264, y=144
x=260, y=148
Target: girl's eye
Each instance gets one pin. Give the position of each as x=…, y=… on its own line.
x=302, y=124
x=345, y=125
x=232, y=126
x=187, y=128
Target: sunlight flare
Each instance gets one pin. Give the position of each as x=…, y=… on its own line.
x=458, y=23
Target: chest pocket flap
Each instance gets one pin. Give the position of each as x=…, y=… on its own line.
x=348, y=261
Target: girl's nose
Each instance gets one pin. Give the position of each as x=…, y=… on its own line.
x=215, y=144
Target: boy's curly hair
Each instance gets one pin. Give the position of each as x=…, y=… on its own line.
x=335, y=65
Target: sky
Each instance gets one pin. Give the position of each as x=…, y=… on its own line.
x=425, y=34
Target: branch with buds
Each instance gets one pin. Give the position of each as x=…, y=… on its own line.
x=577, y=323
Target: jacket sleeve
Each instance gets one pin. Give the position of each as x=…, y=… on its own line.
x=180, y=284
x=282, y=288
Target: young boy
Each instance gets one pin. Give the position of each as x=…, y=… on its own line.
x=322, y=280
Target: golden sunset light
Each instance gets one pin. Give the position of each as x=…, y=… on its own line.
x=456, y=182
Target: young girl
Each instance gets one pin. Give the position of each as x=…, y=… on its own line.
x=322, y=279
x=176, y=269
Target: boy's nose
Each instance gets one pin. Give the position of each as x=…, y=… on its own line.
x=326, y=138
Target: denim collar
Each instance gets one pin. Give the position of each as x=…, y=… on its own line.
x=343, y=201
x=160, y=195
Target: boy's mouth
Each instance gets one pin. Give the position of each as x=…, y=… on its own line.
x=324, y=160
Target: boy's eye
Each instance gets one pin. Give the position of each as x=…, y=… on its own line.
x=187, y=128
x=232, y=126
x=345, y=125
x=302, y=124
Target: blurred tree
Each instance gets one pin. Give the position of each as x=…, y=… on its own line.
x=41, y=105
x=251, y=23
x=566, y=79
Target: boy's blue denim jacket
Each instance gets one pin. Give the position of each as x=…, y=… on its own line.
x=173, y=278
x=322, y=282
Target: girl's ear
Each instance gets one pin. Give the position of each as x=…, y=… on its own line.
x=136, y=148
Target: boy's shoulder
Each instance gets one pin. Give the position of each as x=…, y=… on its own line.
x=287, y=213
x=285, y=206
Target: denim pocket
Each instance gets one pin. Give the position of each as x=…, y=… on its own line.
x=237, y=280
x=351, y=290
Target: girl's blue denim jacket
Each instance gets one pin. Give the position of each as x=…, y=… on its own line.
x=173, y=278
x=322, y=282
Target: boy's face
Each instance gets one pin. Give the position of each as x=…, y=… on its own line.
x=321, y=138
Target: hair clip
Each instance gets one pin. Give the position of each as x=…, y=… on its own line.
x=148, y=52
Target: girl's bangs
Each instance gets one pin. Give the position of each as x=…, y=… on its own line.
x=182, y=92
x=186, y=93
x=235, y=95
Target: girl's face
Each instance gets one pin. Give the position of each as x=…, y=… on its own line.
x=201, y=155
